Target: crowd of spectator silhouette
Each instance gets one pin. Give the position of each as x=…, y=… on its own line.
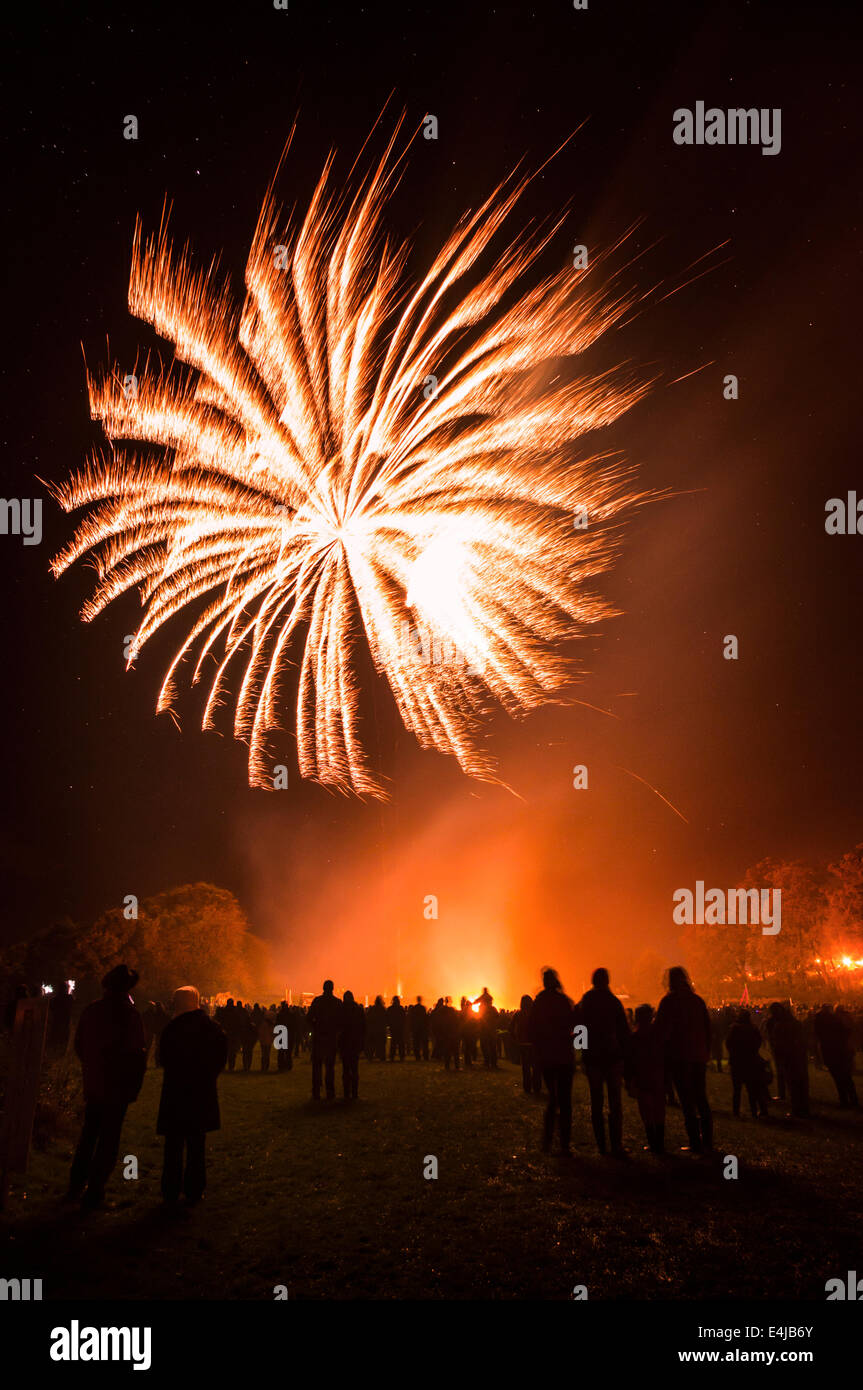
x=659, y=1057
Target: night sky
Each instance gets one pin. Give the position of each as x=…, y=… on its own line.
x=762, y=755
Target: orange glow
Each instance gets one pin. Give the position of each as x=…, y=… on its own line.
x=845, y=962
x=474, y=1008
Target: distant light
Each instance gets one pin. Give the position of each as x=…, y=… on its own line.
x=47, y=989
x=475, y=1008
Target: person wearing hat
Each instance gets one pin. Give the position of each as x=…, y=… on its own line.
x=112, y=1047
x=194, y=1050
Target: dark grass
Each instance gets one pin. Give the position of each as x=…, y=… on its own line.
x=331, y=1201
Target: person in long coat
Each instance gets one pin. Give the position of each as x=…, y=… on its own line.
x=683, y=1024
x=194, y=1050
x=605, y=1056
x=351, y=1040
x=325, y=1024
x=110, y=1043
x=549, y=1029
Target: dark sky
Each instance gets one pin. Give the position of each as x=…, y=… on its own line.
x=762, y=755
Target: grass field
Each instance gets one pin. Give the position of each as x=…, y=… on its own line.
x=331, y=1201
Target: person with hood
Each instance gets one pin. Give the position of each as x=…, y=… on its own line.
x=549, y=1030
x=606, y=1052
x=325, y=1023
x=110, y=1042
x=683, y=1024
x=194, y=1050
x=351, y=1042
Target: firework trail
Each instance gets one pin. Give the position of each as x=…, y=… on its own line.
x=346, y=458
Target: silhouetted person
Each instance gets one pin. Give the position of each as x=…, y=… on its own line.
x=488, y=1021
x=397, y=1020
x=351, y=1044
x=325, y=1023
x=834, y=1031
x=644, y=1071
x=683, y=1023
x=449, y=1024
x=419, y=1026
x=194, y=1050
x=266, y=1029
x=376, y=1031
x=284, y=1019
x=788, y=1041
x=110, y=1043
x=550, y=1031
x=436, y=1030
x=531, y=1071
x=608, y=1035
x=778, y=1058
x=250, y=1035
x=301, y=1029
x=747, y=1065
x=469, y=1031
x=247, y=1034
x=232, y=1028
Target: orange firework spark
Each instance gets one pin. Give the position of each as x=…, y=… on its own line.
x=347, y=455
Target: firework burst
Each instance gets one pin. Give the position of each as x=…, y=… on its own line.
x=348, y=459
